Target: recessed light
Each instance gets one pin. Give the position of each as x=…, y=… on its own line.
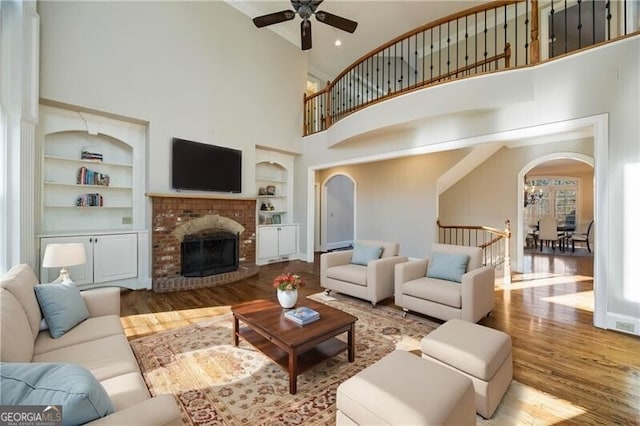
x=338, y=42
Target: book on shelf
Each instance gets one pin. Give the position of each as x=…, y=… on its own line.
x=90, y=177
x=88, y=153
x=302, y=315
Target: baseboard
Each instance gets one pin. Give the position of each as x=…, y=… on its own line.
x=623, y=323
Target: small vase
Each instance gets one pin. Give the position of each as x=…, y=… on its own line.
x=287, y=298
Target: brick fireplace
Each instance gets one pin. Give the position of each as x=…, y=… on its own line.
x=176, y=216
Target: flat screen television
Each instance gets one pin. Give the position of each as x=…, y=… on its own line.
x=204, y=167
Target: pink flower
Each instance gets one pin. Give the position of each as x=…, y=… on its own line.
x=288, y=281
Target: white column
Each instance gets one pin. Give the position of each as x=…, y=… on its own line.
x=19, y=59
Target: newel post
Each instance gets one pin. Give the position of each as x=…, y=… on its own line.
x=507, y=256
x=535, y=41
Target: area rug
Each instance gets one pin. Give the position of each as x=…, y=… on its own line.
x=216, y=383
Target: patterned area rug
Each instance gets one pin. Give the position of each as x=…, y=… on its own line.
x=216, y=383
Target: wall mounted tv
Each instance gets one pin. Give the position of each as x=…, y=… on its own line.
x=204, y=167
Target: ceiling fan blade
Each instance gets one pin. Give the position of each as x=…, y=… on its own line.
x=274, y=18
x=337, y=21
x=305, y=34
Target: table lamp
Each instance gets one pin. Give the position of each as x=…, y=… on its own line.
x=63, y=256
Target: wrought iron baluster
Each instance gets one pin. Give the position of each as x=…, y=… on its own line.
x=484, y=65
x=495, y=32
x=448, y=49
x=579, y=24
x=466, y=43
x=566, y=24
x=593, y=22
x=552, y=13
x=431, y=56
x=415, y=60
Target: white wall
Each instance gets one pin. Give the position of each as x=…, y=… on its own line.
x=581, y=88
x=395, y=199
x=197, y=70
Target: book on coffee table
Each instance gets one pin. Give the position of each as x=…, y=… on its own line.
x=302, y=315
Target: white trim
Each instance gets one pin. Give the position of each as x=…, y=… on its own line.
x=323, y=215
x=521, y=234
x=599, y=127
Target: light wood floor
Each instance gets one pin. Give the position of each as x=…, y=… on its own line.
x=548, y=313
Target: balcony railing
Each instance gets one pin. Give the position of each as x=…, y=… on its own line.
x=493, y=242
x=493, y=37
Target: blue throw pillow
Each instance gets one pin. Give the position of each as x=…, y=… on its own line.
x=362, y=254
x=448, y=266
x=82, y=397
x=62, y=306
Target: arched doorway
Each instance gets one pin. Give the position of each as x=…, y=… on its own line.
x=338, y=212
x=561, y=186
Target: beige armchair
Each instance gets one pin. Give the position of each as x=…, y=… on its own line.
x=371, y=280
x=469, y=300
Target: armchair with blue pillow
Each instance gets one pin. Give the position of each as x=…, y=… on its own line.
x=453, y=283
x=365, y=272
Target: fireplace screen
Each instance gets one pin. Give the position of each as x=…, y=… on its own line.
x=209, y=254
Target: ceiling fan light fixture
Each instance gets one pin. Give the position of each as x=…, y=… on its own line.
x=338, y=42
x=306, y=8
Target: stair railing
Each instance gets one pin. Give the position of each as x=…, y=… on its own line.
x=493, y=242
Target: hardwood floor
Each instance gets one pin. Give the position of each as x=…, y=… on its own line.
x=548, y=313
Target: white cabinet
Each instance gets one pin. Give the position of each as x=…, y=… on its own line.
x=110, y=257
x=277, y=243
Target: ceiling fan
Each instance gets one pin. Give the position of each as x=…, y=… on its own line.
x=306, y=8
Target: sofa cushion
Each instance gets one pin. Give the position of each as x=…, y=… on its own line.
x=362, y=254
x=351, y=273
x=62, y=306
x=126, y=390
x=73, y=387
x=88, y=330
x=105, y=358
x=473, y=348
x=16, y=341
x=434, y=290
x=448, y=266
x=20, y=280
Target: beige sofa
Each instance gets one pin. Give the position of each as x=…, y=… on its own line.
x=469, y=300
x=97, y=343
x=372, y=282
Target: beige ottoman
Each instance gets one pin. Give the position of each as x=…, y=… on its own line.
x=481, y=353
x=404, y=389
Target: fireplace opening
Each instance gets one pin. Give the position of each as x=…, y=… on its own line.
x=209, y=254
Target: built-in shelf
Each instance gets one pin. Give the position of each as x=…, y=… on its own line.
x=79, y=185
x=81, y=161
x=120, y=256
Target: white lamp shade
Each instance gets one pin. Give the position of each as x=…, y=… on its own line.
x=63, y=255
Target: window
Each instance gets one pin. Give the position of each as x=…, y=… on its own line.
x=555, y=196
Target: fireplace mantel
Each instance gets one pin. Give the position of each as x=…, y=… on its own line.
x=216, y=196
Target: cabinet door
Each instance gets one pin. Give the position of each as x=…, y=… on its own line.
x=287, y=240
x=267, y=242
x=80, y=274
x=115, y=257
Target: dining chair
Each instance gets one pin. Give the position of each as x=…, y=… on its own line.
x=582, y=237
x=549, y=233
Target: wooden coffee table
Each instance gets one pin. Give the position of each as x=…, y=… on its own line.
x=295, y=348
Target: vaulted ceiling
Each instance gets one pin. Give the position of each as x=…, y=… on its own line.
x=378, y=22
